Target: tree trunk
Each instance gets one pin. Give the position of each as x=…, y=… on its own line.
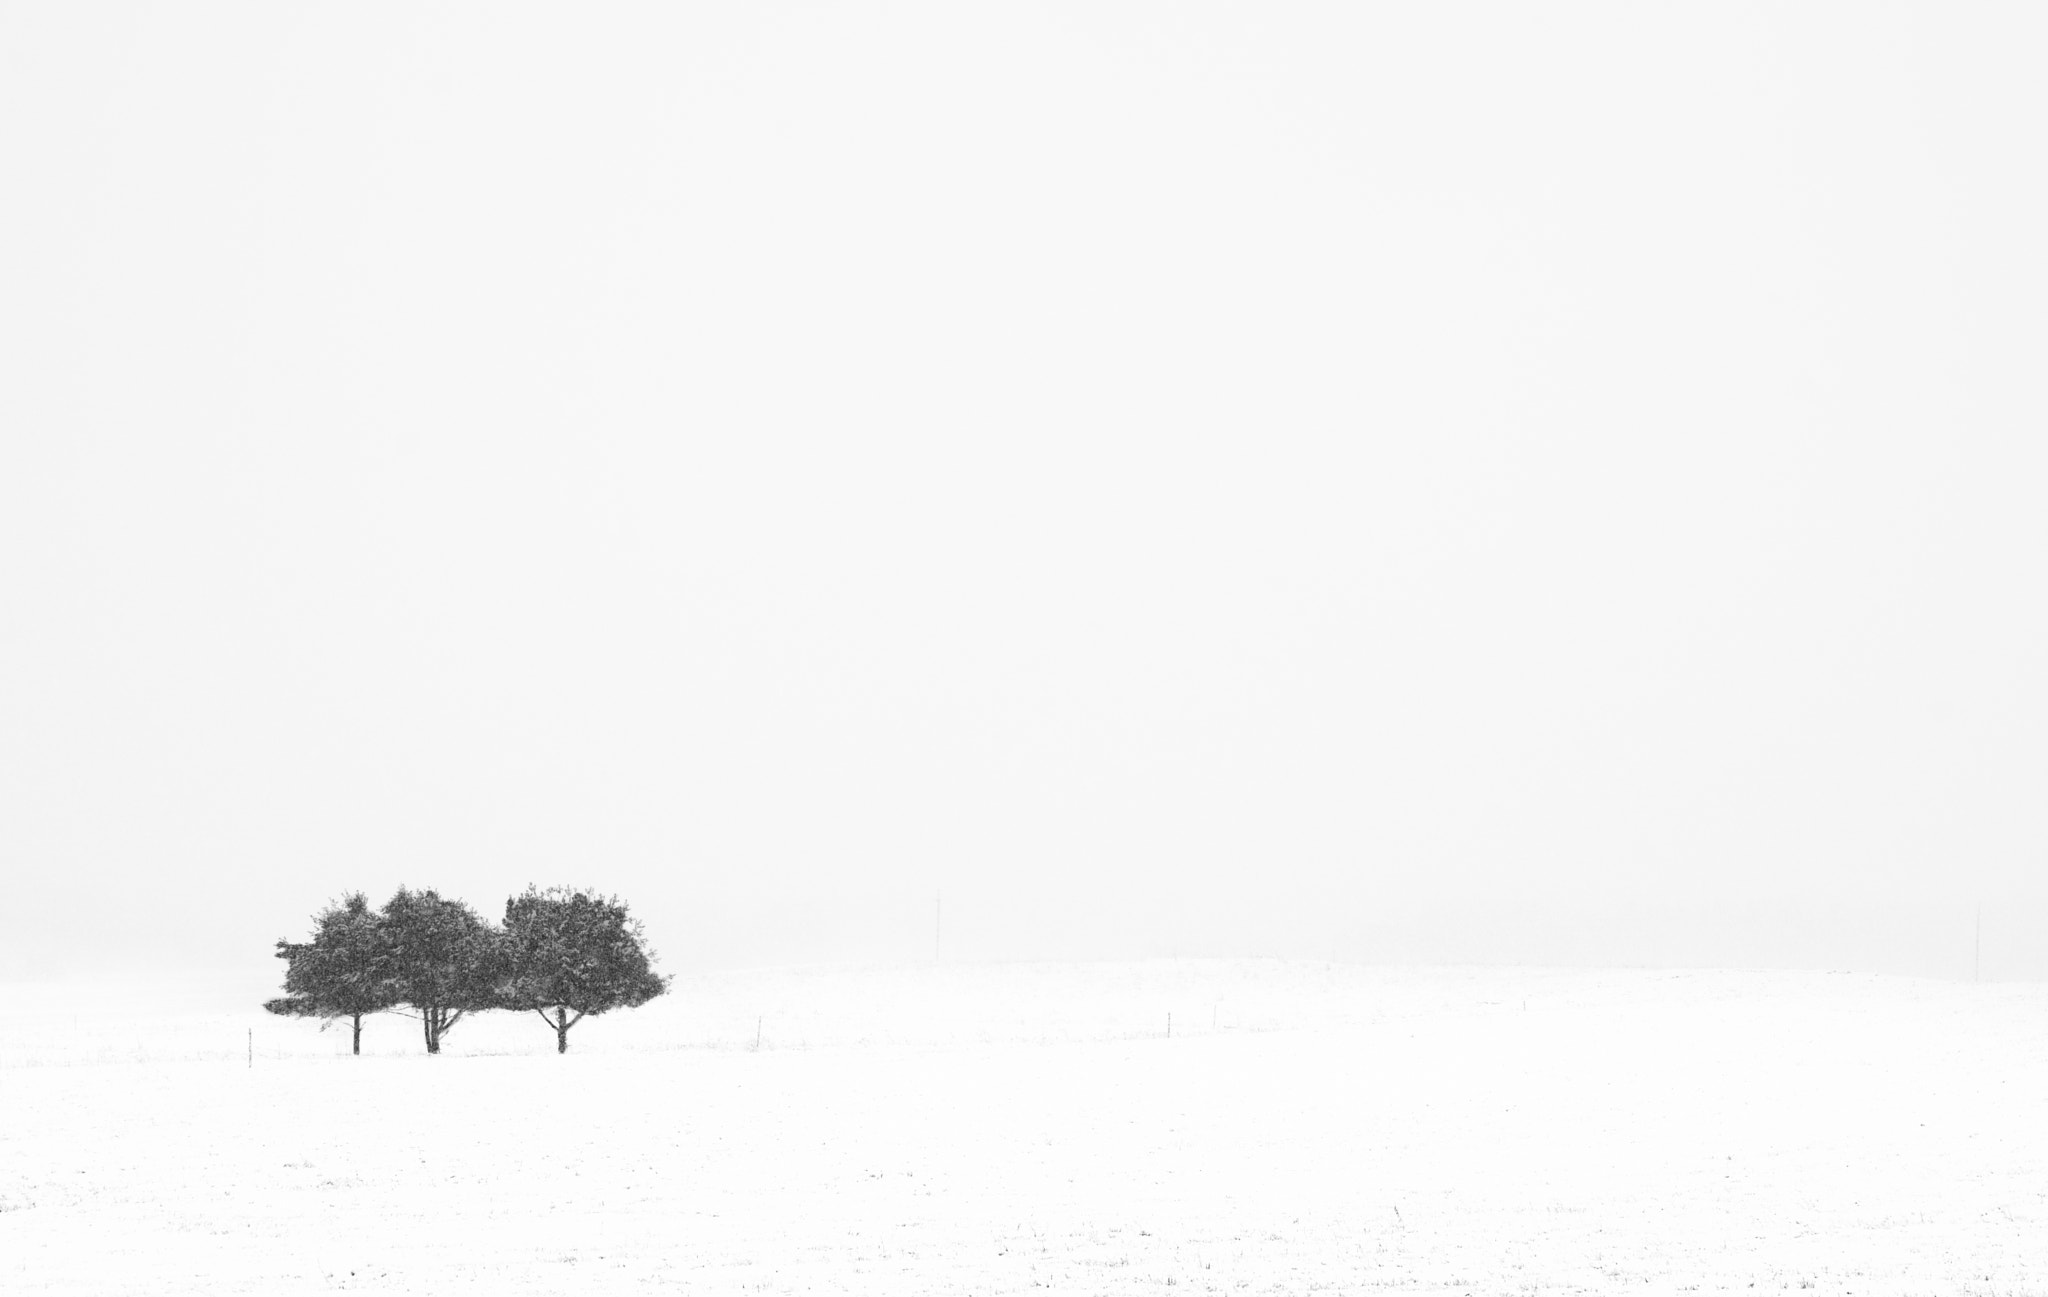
x=562, y=1029
x=429, y=1025
x=358, y=1042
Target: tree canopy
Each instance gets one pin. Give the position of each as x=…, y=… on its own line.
x=563, y=952
x=573, y=953
x=343, y=972
x=443, y=961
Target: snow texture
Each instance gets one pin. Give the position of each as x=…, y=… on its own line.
x=1024, y=1128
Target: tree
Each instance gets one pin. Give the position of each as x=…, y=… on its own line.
x=571, y=952
x=343, y=972
x=444, y=961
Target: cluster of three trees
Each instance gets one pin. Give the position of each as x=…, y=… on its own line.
x=562, y=953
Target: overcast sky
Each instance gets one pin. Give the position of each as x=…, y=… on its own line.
x=1443, y=481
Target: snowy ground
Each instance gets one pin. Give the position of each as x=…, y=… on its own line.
x=1028, y=1127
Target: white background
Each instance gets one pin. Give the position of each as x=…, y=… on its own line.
x=1449, y=482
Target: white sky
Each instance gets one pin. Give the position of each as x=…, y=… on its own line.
x=1290, y=477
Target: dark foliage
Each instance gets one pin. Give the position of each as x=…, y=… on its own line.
x=343, y=972
x=443, y=961
x=570, y=954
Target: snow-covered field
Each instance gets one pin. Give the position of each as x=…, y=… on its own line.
x=1018, y=1128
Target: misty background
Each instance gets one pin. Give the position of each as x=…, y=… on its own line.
x=1449, y=483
